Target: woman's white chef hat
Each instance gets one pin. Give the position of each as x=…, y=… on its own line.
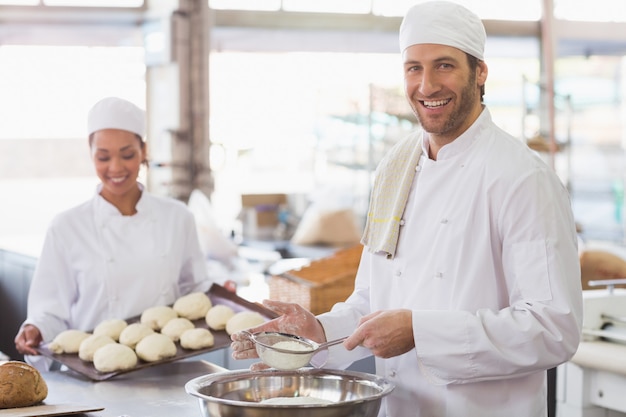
x=443, y=23
x=116, y=113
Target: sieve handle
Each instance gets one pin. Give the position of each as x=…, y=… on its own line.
x=331, y=343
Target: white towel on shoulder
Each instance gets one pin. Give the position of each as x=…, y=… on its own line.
x=392, y=184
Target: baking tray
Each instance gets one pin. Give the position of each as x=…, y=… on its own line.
x=217, y=294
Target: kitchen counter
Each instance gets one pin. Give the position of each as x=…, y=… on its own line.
x=158, y=391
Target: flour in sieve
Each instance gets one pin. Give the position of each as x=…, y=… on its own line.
x=280, y=360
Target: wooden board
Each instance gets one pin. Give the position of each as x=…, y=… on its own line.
x=49, y=410
x=217, y=294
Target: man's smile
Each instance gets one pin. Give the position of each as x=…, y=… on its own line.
x=435, y=103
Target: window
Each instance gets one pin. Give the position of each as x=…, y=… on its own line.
x=81, y=3
x=591, y=11
x=487, y=9
x=310, y=121
x=44, y=158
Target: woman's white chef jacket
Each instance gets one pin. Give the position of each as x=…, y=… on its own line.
x=97, y=264
x=488, y=264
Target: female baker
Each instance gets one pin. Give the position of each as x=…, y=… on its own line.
x=117, y=254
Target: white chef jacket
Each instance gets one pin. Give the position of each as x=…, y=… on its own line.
x=488, y=264
x=97, y=264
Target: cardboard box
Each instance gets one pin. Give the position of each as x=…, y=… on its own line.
x=260, y=214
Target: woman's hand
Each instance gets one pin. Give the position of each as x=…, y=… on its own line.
x=230, y=285
x=28, y=338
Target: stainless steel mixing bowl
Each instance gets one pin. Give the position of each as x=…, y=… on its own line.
x=240, y=393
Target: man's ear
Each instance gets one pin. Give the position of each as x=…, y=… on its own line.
x=481, y=73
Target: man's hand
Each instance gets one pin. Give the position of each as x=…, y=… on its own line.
x=385, y=333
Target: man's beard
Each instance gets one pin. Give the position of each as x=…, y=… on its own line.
x=466, y=102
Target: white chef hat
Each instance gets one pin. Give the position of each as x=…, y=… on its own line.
x=443, y=23
x=116, y=113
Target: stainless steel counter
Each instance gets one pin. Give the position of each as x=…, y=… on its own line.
x=153, y=392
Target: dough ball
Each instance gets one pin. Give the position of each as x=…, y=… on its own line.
x=114, y=357
x=68, y=341
x=217, y=317
x=21, y=385
x=111, y=328
x=243, y=320
x=158, y=316
x=193, y=306
x=198, y=338
x=89, y=346
x=155, y=347
x=175, y=327
x=133, y=333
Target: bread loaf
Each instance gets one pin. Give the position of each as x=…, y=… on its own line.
x=21, y=385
